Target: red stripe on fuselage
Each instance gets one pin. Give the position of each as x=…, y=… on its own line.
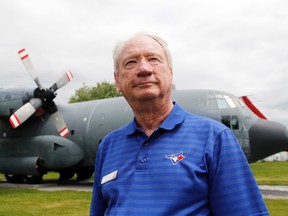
x=252, y=107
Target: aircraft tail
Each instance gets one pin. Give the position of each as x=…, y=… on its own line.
x=253, y=108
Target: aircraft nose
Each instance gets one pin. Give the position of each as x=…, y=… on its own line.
x=267, y=138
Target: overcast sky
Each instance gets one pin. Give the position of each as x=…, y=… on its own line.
x=240, y=47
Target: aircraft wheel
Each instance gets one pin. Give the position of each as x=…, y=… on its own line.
x=66, y=174
x=33, y=179
x=16, y=179
x=84, y=173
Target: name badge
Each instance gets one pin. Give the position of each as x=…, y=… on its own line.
x=109, y=177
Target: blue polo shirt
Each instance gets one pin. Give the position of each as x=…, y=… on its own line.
x=190, y=165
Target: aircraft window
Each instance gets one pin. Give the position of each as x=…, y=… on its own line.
x=222, y=104
x=211, y=104
x=218, y=96
x=226, y=120
x=239, y=102
x=234, y=123
x=225, y=101
x=230, y=121
x=201, y=103
x=230, y=102
x=210, y=96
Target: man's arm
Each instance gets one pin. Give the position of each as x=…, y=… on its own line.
x=234, y=190
x=98, y=206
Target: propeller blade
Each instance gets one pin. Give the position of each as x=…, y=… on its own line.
x=29, y=66
x=24, y=112
x=67, y=77
x=60, y=124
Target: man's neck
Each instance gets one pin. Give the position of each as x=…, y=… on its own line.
x=150, y=116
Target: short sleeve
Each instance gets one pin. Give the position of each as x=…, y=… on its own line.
x=234, y=190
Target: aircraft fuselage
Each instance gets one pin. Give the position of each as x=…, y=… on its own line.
x=37, y=146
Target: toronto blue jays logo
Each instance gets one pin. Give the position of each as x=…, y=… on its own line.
x=175, y=158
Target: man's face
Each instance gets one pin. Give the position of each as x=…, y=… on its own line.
x=143, y=72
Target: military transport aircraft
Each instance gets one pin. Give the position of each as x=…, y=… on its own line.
x=36, y=136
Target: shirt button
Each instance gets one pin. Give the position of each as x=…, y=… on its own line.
x=143, y=160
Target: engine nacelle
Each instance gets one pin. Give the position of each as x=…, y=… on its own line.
x=37, y=155
x=20, y=165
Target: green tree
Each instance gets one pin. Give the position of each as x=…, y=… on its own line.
x=100, y=91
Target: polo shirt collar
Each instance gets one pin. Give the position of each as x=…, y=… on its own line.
x=176, y=117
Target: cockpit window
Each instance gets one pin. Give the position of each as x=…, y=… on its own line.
x=218, y=101
x=211, y=102
x=230, y=121
x=230, y=102
x=239, y=102
x=225, y=101
x=234, y=123
x=226, y=120
x=222, y=104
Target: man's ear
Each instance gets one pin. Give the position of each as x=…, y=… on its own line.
x=116, y=78
x=172, y=77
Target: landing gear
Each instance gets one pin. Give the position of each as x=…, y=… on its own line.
x=84, y=173
x=19, y=179
x=66, y=174
x=15, y=179
x=33, y=179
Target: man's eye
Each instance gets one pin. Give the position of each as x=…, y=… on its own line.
x=154, y=59
x=130, y=63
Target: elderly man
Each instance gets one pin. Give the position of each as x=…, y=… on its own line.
x=167, y=161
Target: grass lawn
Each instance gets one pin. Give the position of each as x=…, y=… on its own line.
x=30, y=202
x=277, y=207
x=271, y=173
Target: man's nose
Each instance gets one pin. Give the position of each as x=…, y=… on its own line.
x=144, y=68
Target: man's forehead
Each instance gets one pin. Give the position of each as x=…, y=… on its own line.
x=141, y=43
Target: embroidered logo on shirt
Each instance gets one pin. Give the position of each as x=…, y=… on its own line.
x=175, y=158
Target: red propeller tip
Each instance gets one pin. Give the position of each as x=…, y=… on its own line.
x=23, y=54
x=64, y=132
x=69, y=75
x=14, y=121
x=20, y=51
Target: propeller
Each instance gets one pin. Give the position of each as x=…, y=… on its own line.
x=29, y=66
x=42, y=97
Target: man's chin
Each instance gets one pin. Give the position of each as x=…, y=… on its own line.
x=147, y=96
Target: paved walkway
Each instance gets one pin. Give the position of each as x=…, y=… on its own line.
x=274, y=192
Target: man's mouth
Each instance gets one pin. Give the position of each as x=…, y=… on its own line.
x=144, y=83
